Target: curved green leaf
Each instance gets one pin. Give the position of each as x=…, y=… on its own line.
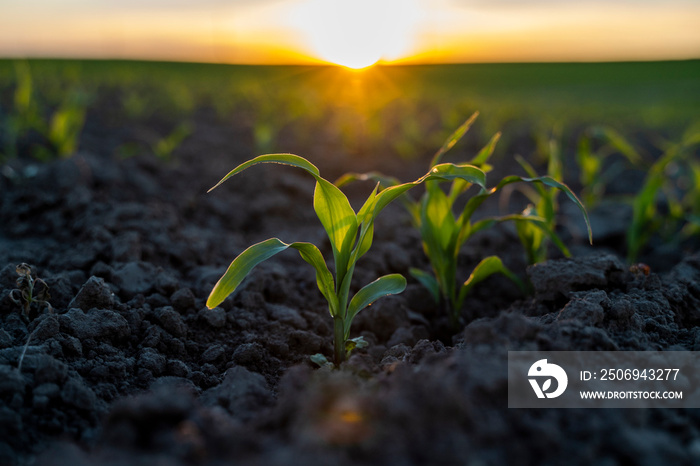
x=484, y=154
x=549, y=181
x=489, y=222
x=428, y=281
x=619, y=143
x=324, y=278
x=450, y=171
x=453, y=139
x=382, y=286
x=283, y=159
x=384, y=181
x=442, y=172
x=257, y=253
x=482, y=271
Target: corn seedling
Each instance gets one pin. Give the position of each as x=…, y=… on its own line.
x=594, y=174
x=350, y=236
x=29, y=291
x=60, y=132
x=164, y=148
x=66, y=124
x=536, y=235
x=443, y=233
x=678, y=164
x=25, y=115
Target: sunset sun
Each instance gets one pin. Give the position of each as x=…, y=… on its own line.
x=357, y=34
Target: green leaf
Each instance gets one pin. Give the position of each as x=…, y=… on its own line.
x=382, y=286
x=385, y=197
x=437, y=219
x=365, y=212
x=428, y=281
x=331, y=206
x=366, y=221
x=549, y=181
x=442, y=172
x=324, y=278
x=489, y=222
x=453, y=139
x=482, y=271
x=365, y=241
x=384, y=181
x=620, y=143
x=321, y=361
x=283, y=159
x=257, y=253
x=450, y=171
x=437, y=226
x=485, y=154
x=354, y=343
x=339, y=221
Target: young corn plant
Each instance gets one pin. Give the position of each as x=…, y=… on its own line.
x=63, y=130
x=24, y=117
x=60, y=133
x=166, y=146
x=595, y=146
x=674, y=179
x=443, y=234
x=350, y=234
x=667, y=204
x=536, y=235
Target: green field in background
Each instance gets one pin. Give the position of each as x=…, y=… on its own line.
x=651, y=92
x=408, y=108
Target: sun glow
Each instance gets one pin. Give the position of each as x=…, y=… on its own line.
x=360, y=33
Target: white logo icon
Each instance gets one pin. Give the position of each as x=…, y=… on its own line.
x=542, y=369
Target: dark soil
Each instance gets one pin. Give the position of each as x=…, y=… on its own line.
x=132, y=368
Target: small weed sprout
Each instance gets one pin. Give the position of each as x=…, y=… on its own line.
x=443, y=234
x=350, y=236
x=29, y=291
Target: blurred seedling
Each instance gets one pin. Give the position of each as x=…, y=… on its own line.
x=443, y=234
x=30, y=291
x=64, y=127
x=60, y=132
x=535, y=236
x=674, y=181
x=25, y=114
x=164, y=148
x=350, y=236
x=597, y=167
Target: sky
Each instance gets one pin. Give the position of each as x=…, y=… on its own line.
x=352, y=33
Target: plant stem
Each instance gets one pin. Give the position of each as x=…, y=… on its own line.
x=453, y=310
x=338, y=341
x=24, y=350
